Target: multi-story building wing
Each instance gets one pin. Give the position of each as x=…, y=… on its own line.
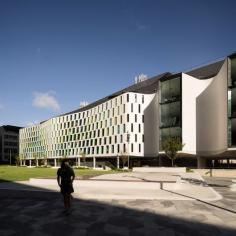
x=198, y=106
x=109, y=128
x=9, y=143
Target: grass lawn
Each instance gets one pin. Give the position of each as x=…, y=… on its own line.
x=13, y=173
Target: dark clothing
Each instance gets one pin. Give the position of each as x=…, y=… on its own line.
x=66, y=183
x=67, y=189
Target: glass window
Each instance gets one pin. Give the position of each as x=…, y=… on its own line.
x=169, y=132
x=170, y=114
x=170, y=90
x=233, y=71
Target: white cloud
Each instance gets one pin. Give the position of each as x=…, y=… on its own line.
x=142, y=27
x=46, y=100
x=31, y=123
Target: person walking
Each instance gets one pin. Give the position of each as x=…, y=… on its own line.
x=65, y=178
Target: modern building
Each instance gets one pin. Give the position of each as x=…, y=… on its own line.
x=9, y=143
x=198, y=106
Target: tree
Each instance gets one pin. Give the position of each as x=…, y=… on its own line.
x=171, y=146
x=22, y=158
x=35, y=156
x=44, y=159
x=18, y=160
x=83, y=155
x=124, y=158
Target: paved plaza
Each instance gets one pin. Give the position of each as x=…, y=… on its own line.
x=41, y=213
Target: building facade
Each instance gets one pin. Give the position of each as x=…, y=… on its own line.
x=9, y=143
x=197, y=106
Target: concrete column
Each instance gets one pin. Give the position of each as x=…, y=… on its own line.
x=78, y=161
x=55, y=162
x=30, y=162
x=37, y=162
x=201, y=162
x=20, y=162
x=118, y=162
x=94, y=162
x=24, y=162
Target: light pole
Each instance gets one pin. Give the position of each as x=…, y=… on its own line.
x=10, y=156
x=118, y=161
x=68, y=149
x=128, y=139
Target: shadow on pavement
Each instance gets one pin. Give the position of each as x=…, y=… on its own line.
x=208, y=203
x=37, y=211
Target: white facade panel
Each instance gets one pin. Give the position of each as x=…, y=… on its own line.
x=191, y=89
x=211, y=116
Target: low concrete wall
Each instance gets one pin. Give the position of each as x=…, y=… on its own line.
x=160, y=169
x=227, y=173
x=97, y=184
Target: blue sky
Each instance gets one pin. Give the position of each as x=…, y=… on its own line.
x=55, y=54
